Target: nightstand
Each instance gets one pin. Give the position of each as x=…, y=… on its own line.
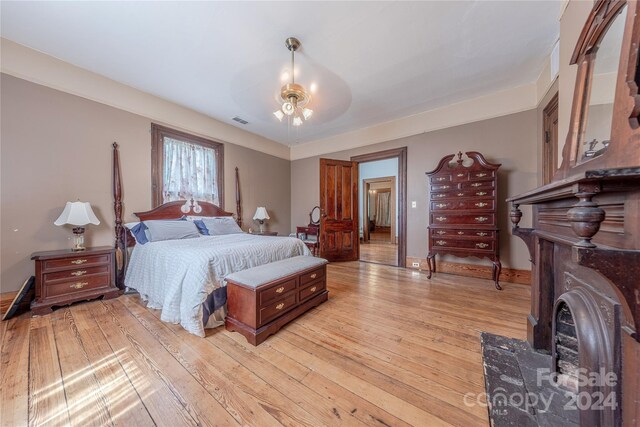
x=265, y=233
x=64, y=277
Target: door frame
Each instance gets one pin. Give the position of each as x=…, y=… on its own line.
x=366, y=184
x=549, y=141
x=401, y=155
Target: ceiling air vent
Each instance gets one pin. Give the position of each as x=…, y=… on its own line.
x=239, y=120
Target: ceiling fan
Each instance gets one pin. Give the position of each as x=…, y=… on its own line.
x=294, y=96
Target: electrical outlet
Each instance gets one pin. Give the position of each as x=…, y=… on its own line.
x=414, y=204
x=415, y=264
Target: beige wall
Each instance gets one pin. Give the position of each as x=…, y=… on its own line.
x=56, y=147
x=510, y=140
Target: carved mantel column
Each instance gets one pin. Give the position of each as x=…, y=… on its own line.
x=585, y=218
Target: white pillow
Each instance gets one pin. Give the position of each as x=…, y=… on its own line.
x=171, y=230
x=221, y=225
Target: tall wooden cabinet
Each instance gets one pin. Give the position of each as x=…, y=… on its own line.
x=462, y=210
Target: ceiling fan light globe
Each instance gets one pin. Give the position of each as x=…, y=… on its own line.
x=297, y=121
x=288, y=108
x=307, y=113
x=279, y=114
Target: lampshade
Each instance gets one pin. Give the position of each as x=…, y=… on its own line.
x=77, y=213
x=261, y=214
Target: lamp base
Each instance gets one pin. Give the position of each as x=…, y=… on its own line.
x=78, y=239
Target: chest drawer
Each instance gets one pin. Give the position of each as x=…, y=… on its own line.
x=277, y=291
x=76, y=285
x=453, y=243
x=78, y=261
x=477, y=185
x=276, y=308
x=482, y=234
x=487, y=174
x=311, y=276
x=75, y=273
x=457, y=194
x=311, y=290
x=450, y=205
x=440, y=178
x=463, y=219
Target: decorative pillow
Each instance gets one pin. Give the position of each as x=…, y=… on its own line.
x=201, y=227
x=139, y=232
x=171, y=230
x=221, y=225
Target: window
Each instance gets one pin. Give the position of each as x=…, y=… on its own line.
x=185, y=166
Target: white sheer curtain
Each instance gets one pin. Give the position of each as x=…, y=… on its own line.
x=383, y=210
x=189, y=172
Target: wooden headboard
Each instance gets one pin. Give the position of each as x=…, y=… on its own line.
x=170, y=210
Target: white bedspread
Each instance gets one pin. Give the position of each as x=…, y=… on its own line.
x=178, y=275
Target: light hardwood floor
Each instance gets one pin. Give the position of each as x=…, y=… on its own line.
x=390, y=348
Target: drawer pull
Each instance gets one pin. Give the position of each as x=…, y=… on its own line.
x=440, y=195
x=314, y=275
x=312, y=289
x=441, y=242
x=481, y=218
x=481, y=234
x=444, y=187
x=79, y=285
x=441, y=179
x=441, y=205
x=78, y=261
x=280, y=290
x=79, y=273
x=441, y=218
x=481, y=245
x=481, y=204
x=476, y=184
x=481, y=193
x=460, y=174
x=441, y=232
x=461, y=232
x=280, y=306
x=460, y=194
x=480, y=175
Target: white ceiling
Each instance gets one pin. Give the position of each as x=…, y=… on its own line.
x=371, y=61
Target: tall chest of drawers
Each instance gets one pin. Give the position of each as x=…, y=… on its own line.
x=463, y=210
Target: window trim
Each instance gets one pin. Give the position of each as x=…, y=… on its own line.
x=158, y=132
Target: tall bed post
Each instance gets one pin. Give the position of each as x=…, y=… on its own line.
x=238, y=199
x=117, y=209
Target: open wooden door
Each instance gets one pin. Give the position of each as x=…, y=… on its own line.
x=339, y=236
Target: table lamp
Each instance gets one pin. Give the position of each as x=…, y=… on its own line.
x=260, y=216
x=77, y=213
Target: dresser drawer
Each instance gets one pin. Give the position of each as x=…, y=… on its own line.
x=450, y=205
x=460, y=176
x=453, y=243
x=276, y=291
x=481, y=175
x=440, y=178
x=475, y=234
x=477, y=185
x=457, y=194
x=311, y=290
x=76, y=285
x=75, y=273
x=446, y=187
x=463, y=219
x=311, y=276
x=276, y=308
x=76, y=261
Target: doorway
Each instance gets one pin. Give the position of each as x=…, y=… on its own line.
x=382, y=206
x=550, y=140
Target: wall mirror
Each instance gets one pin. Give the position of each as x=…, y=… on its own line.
x=600, y=90
x=314, y=216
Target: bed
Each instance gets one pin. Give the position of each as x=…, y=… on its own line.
x=185, y=278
